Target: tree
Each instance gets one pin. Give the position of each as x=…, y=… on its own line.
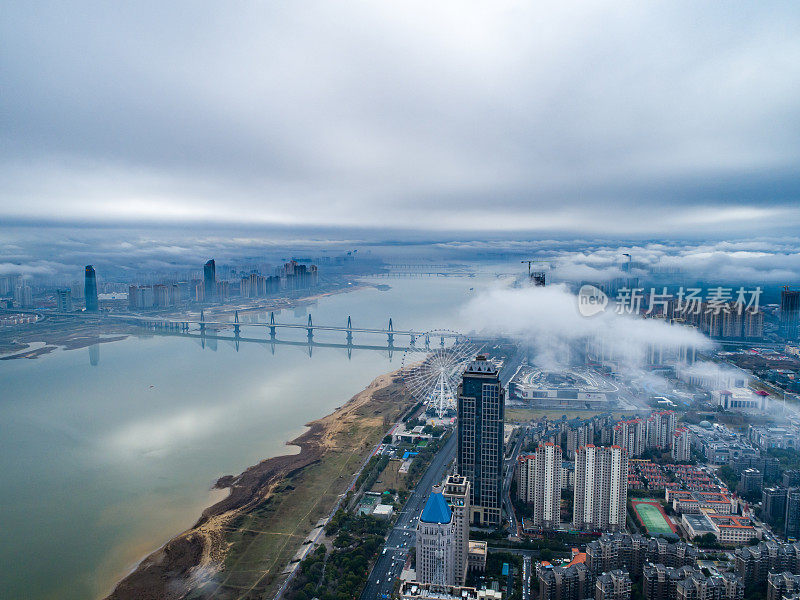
x=707, y=540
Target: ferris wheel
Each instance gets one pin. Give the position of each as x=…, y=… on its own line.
x=433, y=365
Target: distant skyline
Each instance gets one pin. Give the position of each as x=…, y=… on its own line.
x=125, y=252
x=601, y=119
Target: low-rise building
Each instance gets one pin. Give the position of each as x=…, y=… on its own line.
x=732, y=529
x=383, y=511
x=774, y=437
x=693, y=501
x=414, y=590
x=476, y=558
x=696, y=525
x=741, y=399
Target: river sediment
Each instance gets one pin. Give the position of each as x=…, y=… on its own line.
x=197, y=563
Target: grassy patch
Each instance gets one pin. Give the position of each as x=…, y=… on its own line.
x=390, y=479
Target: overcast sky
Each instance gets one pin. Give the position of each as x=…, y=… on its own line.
x=594, y=117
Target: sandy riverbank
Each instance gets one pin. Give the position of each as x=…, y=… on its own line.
x=334, y=446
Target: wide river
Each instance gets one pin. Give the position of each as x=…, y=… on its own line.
x=107, y=452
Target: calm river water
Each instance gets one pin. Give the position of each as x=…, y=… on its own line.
x=102, y=463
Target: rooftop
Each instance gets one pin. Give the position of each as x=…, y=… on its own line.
x=436, y=509
x=481, y=365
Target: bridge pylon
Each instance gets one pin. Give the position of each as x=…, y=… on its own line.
x=236, y=323
x=310, y=329
x=273, y=330
x=202, y=320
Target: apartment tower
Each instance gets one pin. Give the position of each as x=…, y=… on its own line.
x=601, y=488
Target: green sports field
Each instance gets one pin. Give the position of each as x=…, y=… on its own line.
x=654, y=520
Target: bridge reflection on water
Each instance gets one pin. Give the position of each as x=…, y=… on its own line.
x=208, y=332
x=210, y=340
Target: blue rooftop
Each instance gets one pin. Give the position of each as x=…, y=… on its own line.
x=436, y=509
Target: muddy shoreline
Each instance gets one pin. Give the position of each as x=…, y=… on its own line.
x=188, y=559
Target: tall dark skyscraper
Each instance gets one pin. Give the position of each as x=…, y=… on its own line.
x=90, y=289
x=790, y=313
x=209, y=280
x=481, y=414
x=792, y=519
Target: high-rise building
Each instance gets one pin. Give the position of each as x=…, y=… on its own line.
x=792, y=519
x=601, y=488
x=681, y=448
x=631, y=552
x=456, y=493
x=579, y=435
x=725, y=586
x=660, y=427
x=631, y=436
x=614, y=585
x=791, y=478
x=64, y=300
x=436, y=561
x=571, y=582
x=753, y=328
x=481, y=414
x=209, y=280
x=23, y=294
x=539, y=483
x=90, y=289
x=659, y=581
x=790, y=313
x=751, y=481
x=782, y=585
x=753, y=563
x=773, y=502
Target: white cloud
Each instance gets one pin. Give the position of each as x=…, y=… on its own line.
x=546, y=319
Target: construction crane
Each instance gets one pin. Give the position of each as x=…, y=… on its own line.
x=538, y=277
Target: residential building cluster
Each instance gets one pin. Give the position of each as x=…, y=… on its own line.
x=645, y=474
x=754, y=563
x=660, y=582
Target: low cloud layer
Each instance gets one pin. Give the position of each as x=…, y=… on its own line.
x=546, y=320
x=47, y=253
